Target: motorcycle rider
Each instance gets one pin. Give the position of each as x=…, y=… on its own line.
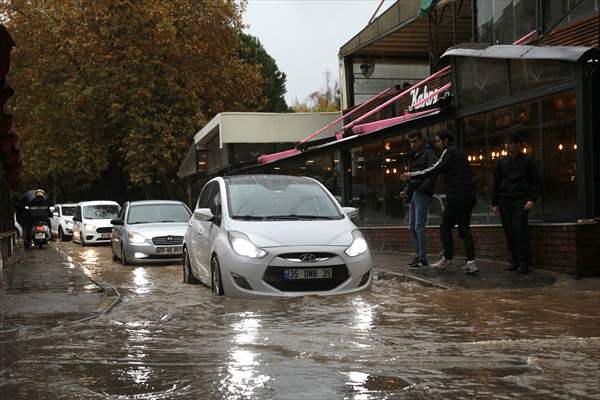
x=36, y=210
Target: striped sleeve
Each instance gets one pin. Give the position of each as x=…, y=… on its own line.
x=436, y=169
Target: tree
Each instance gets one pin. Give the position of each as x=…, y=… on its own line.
x=111, y=87
x=273, y=90
x=323, y=100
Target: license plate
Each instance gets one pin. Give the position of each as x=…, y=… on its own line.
x=105, y=236
x=169, y=250
x=40, y=235
x=308, y=273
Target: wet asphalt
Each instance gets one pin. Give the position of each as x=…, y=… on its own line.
x=401, y=339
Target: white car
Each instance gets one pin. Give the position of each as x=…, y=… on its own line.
x=91, y=221
x=62, y=221
x=273, y=235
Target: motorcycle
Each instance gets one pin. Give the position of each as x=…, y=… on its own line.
x=40, y=234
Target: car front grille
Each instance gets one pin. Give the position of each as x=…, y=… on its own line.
x=274, y=276
x=167, y=240
x=104, y=230
x=307, y=256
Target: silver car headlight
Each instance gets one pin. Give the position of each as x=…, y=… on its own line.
x=69, y=223
x=136, y=238
x=90, y=227
x=243, y=246
x=358, y=246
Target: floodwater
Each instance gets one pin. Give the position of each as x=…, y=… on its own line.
x=168, y=340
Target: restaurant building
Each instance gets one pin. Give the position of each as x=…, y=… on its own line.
x=483, y=68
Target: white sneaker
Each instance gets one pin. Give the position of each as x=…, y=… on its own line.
x=443, y=264
x=470, y=267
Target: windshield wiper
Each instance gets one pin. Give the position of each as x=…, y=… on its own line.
x=301, y=217
x=249, y=217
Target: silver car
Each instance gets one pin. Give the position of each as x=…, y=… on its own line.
x=147, y=231
x=274, y=235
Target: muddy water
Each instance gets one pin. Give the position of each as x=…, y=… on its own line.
x=401, y=340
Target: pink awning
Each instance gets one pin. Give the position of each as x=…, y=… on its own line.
x=277, y=156
x=384, y=123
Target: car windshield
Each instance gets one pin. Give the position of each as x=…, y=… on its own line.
x=107, y=211
x=68, y=211
x=152, y=213
x=272, y=197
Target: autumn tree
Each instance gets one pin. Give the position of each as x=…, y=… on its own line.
x=323, y=100
x=273, y=88
x=118, y=87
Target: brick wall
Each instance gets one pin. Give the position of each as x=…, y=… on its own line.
x=570, y=248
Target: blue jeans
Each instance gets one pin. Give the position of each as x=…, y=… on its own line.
x=417, y=219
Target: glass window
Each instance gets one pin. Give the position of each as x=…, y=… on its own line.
x=485, y=21
x=106, y=211
x=525, y=17
x=481, y=80
x=68, y=211
x=532, y=74
x=560, y=155
x=203, y=198
x=274, y=197
x=503, y=22
x=554, y=10
x=151, y=213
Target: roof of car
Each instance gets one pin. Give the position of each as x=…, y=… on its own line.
x=147, y=202
x=265, y=178
x=66, y=204
x=97, y=203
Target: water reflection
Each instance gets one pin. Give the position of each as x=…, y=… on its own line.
x=142, y=284
x=243, y=374
x=363, y=315
x=89, y=260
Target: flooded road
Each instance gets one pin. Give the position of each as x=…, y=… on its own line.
x=168, y=340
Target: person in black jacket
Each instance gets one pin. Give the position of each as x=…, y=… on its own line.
x=460, y=199
x=419, y=192
x=517, y=186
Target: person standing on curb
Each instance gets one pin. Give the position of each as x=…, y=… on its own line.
x=517, y=186
x=418, y=192
x=460, y=199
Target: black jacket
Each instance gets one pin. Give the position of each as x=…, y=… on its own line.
x=417, y=162
x=458, y=175
x=516, y=179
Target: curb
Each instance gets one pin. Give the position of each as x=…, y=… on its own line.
x=412, y=278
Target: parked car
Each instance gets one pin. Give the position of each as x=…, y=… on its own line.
x=274, y=235
x=149, y=231
x=91, y=221
x=62, y=221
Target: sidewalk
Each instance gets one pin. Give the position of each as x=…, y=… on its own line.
x=491, y=275
x=42, y=281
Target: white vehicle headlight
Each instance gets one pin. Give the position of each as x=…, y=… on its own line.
x=135, y=237
x=90, y=227
x=242, y=245
x=358, y=246
x=69, y=223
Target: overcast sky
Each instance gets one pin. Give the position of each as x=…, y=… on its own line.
x=304, y=36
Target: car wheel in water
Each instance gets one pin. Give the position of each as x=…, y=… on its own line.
x=112, y=251
x=61, y=235
x=187, y=269
x=81, y=239
x=124, y=259
x=215, y=280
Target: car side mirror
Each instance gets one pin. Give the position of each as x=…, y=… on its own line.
x=116, y=221
x=52, y=209
x=55, y=214
x=203, y=214
x=351, y=212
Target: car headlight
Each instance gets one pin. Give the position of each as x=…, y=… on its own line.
x=90, y=227
x=242, y=245
x=69, y=223
x=358, y=246
x=135, y=237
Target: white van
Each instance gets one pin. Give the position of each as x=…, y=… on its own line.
x=62, y=221
x=91, y=222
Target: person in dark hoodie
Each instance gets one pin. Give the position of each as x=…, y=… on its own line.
x=460, y=199
x=517, y=186
x=418, y=192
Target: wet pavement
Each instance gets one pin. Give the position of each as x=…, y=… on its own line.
x=168, y=340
